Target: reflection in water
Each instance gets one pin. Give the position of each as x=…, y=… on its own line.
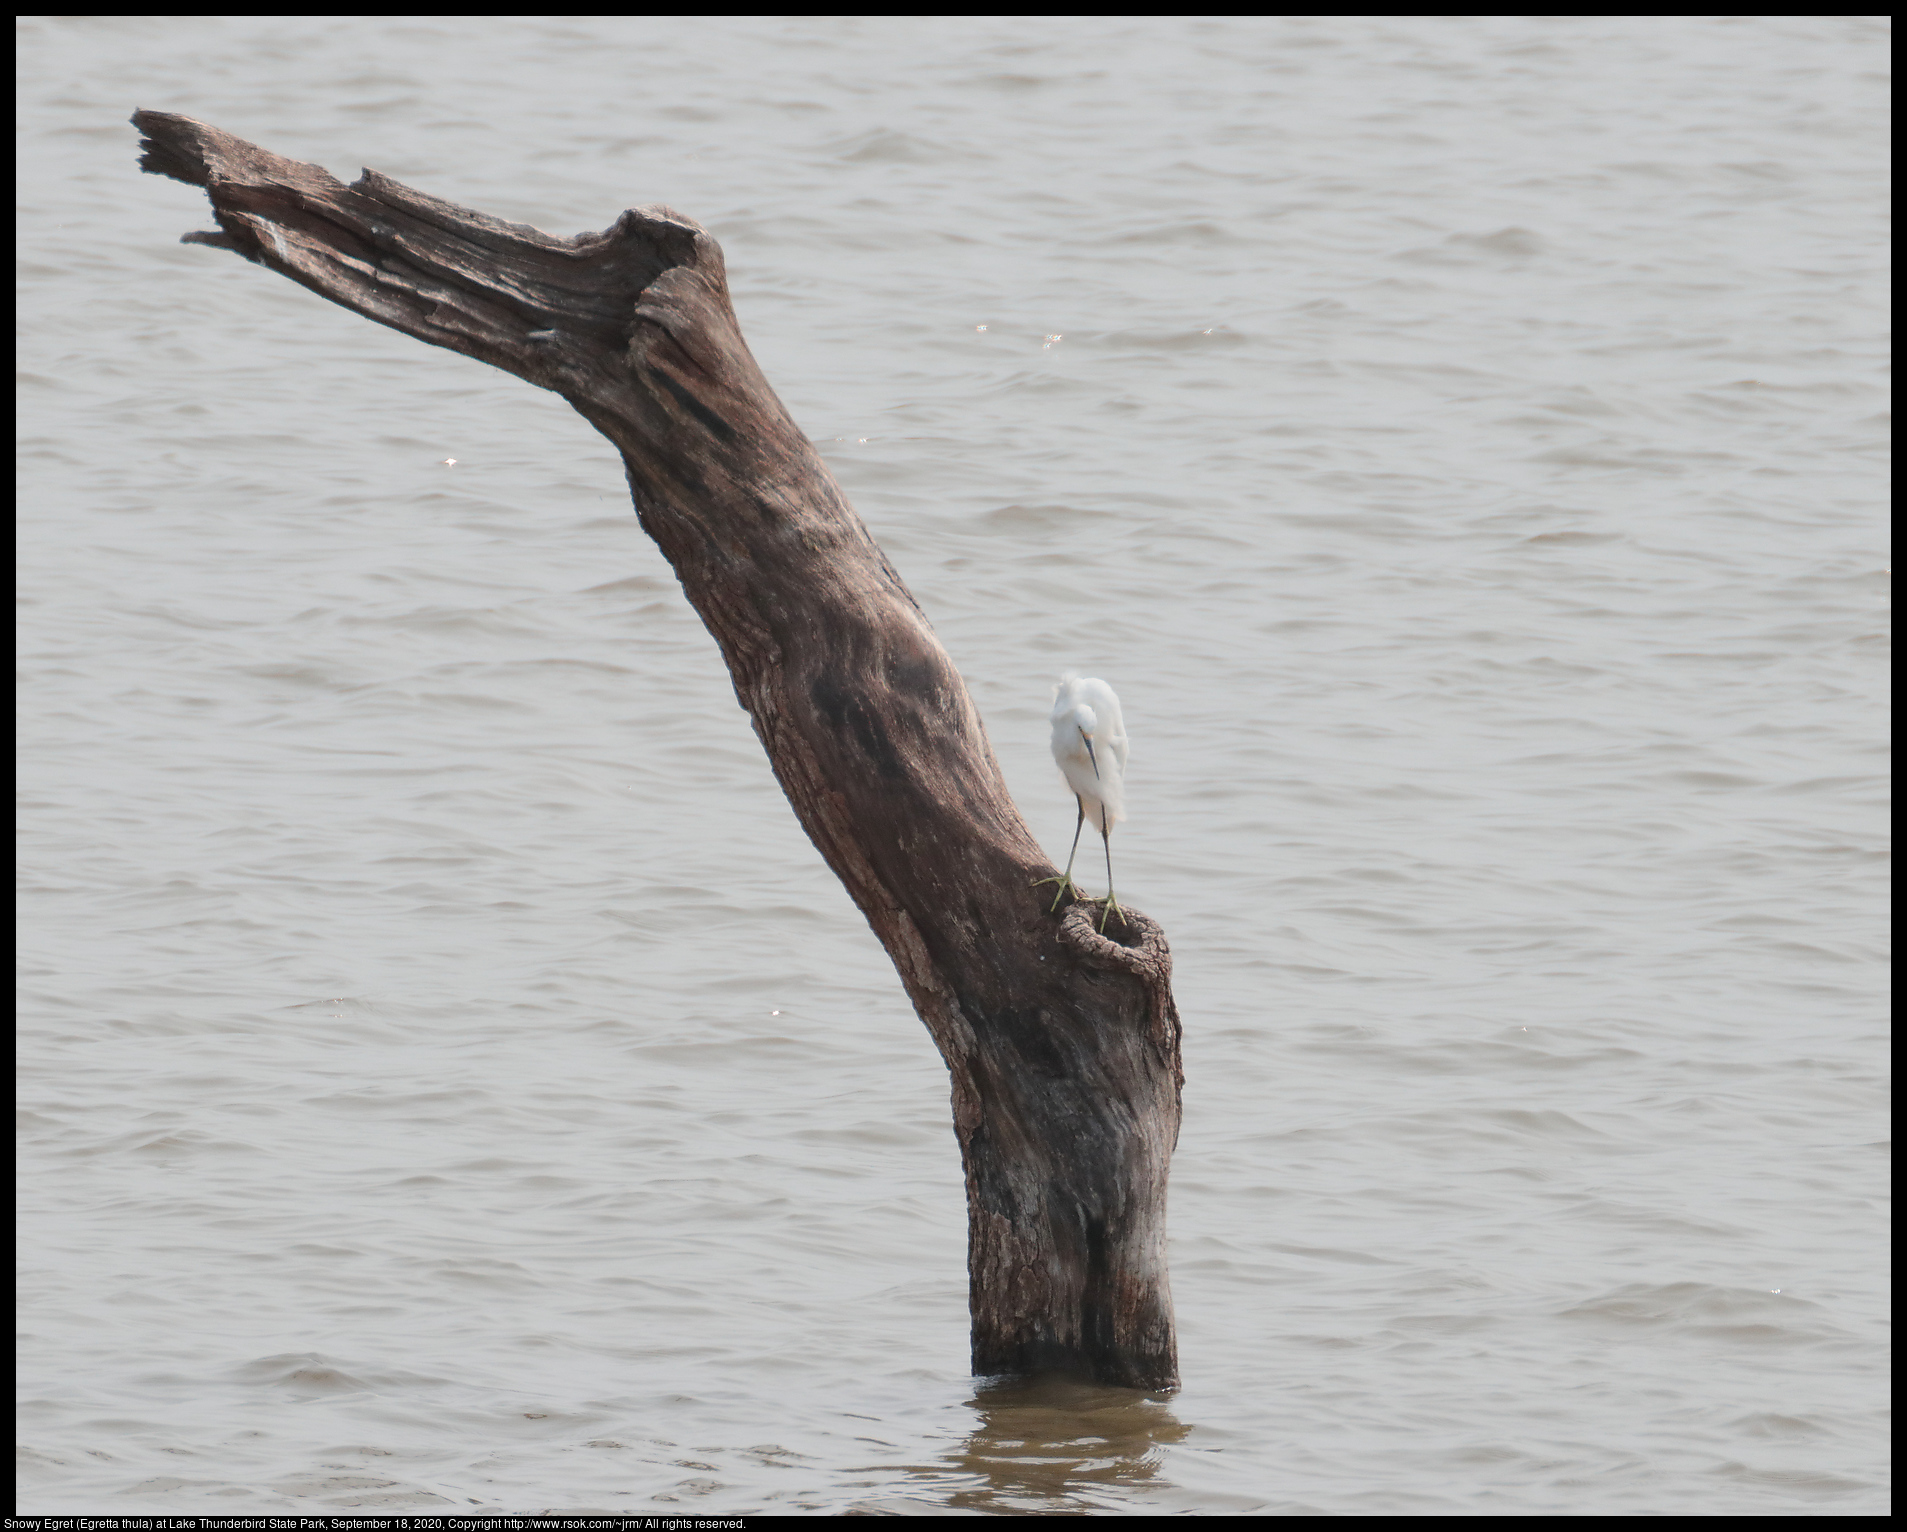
x=1052, y=1445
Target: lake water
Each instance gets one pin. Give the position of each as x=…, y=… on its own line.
x=450, y=1081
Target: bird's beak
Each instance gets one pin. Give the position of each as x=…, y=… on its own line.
x=1089, y=749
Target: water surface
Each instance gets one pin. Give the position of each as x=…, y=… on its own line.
x=449, y=1079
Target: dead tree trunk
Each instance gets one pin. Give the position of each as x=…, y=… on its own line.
x=1063, y=1045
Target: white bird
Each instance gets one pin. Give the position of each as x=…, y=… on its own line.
x=1089, y=745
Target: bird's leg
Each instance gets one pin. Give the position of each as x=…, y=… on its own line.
x=1112, y=902
x=1066, y=881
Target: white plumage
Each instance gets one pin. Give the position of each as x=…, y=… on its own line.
x=1089, y=746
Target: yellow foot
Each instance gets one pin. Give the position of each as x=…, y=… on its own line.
x=1064, y=884
x=1111, y=905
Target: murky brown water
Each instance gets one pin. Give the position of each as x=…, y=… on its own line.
x=449, y=1079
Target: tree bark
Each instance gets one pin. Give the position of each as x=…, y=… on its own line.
x=1062, y=1044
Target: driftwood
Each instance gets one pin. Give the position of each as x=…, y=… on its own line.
x=1063, y=1044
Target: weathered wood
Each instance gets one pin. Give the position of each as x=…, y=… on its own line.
x=1063, y=1045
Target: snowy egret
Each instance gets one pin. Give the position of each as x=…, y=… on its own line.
x=1089, y=745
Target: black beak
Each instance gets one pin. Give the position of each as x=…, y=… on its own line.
x=1089, y=749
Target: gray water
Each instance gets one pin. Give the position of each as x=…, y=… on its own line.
x=449, y=1079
